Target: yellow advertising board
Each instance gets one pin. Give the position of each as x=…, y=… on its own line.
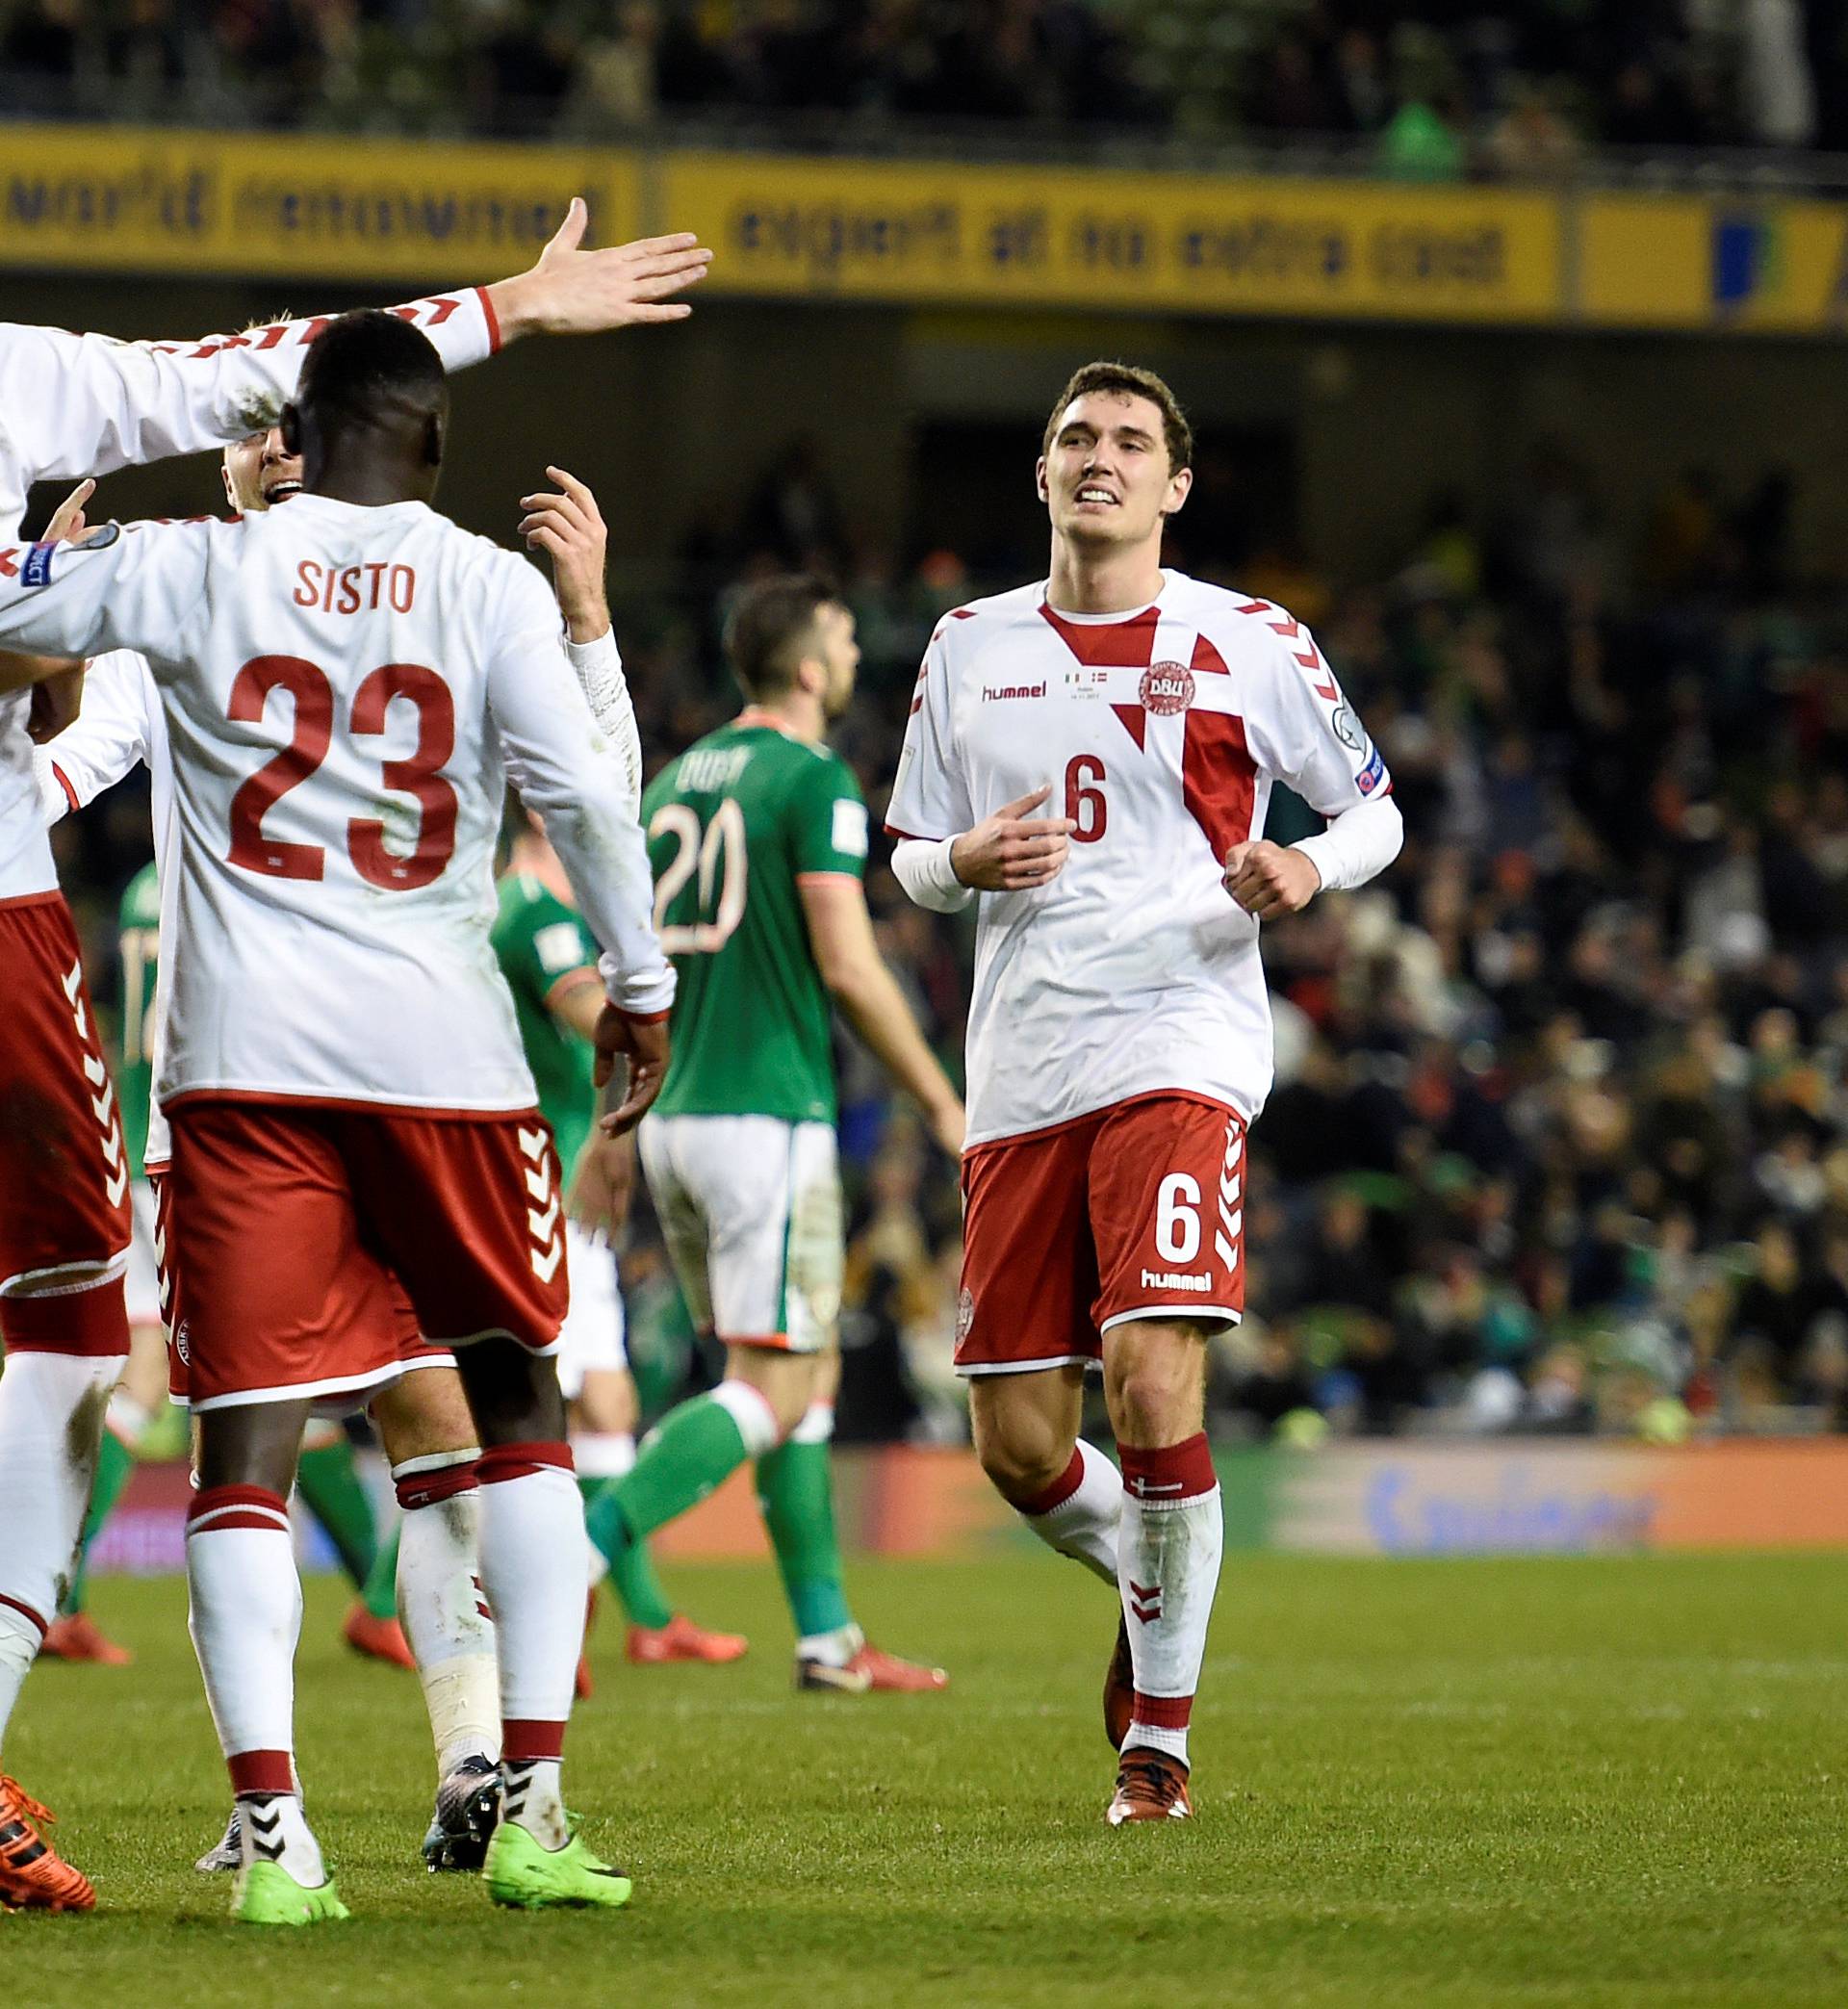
x=1715, y=263
x=126, y=199
x=1074, y=238
x=149, y=200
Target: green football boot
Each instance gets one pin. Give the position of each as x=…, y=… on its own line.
x=517, y=1872
x=265, y=1894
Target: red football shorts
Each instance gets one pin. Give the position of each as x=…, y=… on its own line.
x=412, y=1349
x=1132, y=1212
x=63, y=1169
x=293, y=1224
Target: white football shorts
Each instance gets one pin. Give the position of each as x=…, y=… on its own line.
x=751, y=1210
x=591, y=1340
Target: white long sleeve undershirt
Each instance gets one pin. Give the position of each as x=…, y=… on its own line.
x=1357, y=846
x=923, y=869
x=598, y=666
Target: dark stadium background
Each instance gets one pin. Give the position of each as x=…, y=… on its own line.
x=1558, y=1139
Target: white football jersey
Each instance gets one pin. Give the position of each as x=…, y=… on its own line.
x=122, y=727
x=347, y=691
x=72, y=405
x=1161, y=734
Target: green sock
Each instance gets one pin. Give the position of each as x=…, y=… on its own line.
x=380, y=1591
x=114, y=1461
x=329, y=1483
x=795, y=1489
x=631, y=1573
x=696, y=1449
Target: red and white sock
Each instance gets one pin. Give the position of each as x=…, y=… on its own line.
x=1080, y=1512
x=442, y=1606
x=534, y=1566
x=51, y=1419
x=246, y=1619
x=1172, y=1535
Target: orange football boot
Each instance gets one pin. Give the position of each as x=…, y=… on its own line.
x=887, y=1671
x=32, y=1875
x=377, y=1638
x=1150, y=1786
x=79, y=1637
x=681, y=1640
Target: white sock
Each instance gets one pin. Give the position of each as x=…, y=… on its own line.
x=1172, y=1535
x=442, y=1607
x=604, y=1453
x=273, y=1828
x=51, y=1420
x=532, y=1797
x=19, y=1637
x=1080, y=1515
x=534, y=1566
x=750, y=1411
x=832, y=1649
x=246, y=1618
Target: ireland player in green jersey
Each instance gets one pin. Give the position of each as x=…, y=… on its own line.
x=757, y=840
x=548, y=958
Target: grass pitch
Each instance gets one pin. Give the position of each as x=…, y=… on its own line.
x=1535, y=1782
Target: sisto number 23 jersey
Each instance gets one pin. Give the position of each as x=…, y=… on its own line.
x=347, y=690
x=1161, y=732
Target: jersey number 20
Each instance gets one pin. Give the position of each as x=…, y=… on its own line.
x=701, y=851
x=307, y=749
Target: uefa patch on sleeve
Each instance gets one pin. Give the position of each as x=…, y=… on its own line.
x=850, y=828
x=37, y=569
x=1371, y=775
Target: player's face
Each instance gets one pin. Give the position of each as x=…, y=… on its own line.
x=1107, y=479
x=838, y=653
x=258, y=473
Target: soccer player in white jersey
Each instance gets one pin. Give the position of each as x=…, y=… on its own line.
x=423, y=1416
x=74, y=406
x=1120, y=1033
x=340, y=1047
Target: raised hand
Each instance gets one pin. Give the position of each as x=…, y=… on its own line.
x=573, y=292
x=569, y=528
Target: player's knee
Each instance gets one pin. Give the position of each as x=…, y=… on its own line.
x=1022, y=1454
x=1155, y=1398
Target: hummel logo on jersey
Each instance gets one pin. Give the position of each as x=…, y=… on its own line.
x=1174, y=1280
x=991, y=692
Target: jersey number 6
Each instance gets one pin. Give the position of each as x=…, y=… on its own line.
x=307, y=749
x=1084, y=804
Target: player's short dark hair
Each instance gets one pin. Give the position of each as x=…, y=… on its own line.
x=772, y=628
x=369, y=368
x=1129, y=381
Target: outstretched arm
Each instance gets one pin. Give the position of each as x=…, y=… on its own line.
x=86, y=404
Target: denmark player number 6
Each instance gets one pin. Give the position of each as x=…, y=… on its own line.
x=1177, y=1218
x=417, y=775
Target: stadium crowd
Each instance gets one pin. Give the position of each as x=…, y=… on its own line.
x=1560, y=1134
x=1428, y=88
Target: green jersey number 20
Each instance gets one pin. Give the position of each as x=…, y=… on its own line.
x=718, y=854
